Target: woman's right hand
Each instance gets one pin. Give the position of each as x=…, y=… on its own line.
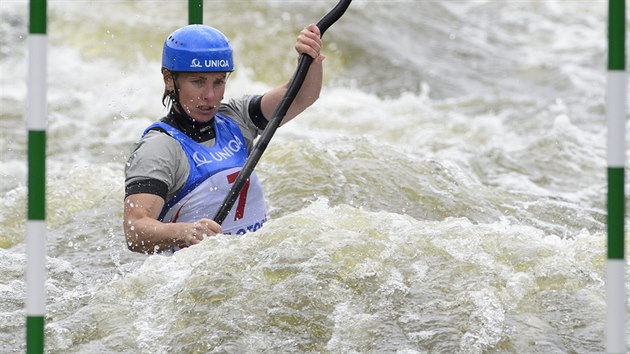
x=200, y=229
x=145, y=234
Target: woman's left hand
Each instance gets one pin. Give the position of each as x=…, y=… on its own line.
x=309, y=42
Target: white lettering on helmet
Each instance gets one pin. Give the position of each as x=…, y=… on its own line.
x=216, y=63
x=210, y=63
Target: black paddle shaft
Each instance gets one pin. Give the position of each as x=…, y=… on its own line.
x=294, y=86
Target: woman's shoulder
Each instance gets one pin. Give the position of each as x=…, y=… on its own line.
x=237, y=106
x=158, y=142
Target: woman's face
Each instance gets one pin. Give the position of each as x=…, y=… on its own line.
x=200, y=94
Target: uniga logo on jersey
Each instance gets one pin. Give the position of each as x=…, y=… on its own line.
x=232, y=147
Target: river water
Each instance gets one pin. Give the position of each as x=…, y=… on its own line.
x=446, y=194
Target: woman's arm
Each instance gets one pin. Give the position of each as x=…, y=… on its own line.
x=145, y=234
x=308, y=42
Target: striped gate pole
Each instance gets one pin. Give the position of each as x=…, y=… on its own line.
x=36, y=121
x=615, y=116
x=195, y=12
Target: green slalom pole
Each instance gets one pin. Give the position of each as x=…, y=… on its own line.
x=37, y=114
x=195, y=12
x=615, y=116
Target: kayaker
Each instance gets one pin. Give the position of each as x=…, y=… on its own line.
x=180, y=171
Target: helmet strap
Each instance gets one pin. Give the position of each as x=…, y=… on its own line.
x=174, y=95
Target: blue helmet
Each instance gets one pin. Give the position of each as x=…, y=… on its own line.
x=197, y=48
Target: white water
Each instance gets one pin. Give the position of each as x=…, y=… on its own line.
x=446, y=194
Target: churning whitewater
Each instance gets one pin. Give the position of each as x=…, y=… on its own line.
x=446, y=193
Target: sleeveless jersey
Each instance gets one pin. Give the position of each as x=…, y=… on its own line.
x=212, y=171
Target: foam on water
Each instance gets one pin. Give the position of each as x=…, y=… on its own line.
x=340, y=279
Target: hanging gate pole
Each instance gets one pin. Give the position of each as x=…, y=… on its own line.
x=615, y=116
x=195, y=12
x=37, y=116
